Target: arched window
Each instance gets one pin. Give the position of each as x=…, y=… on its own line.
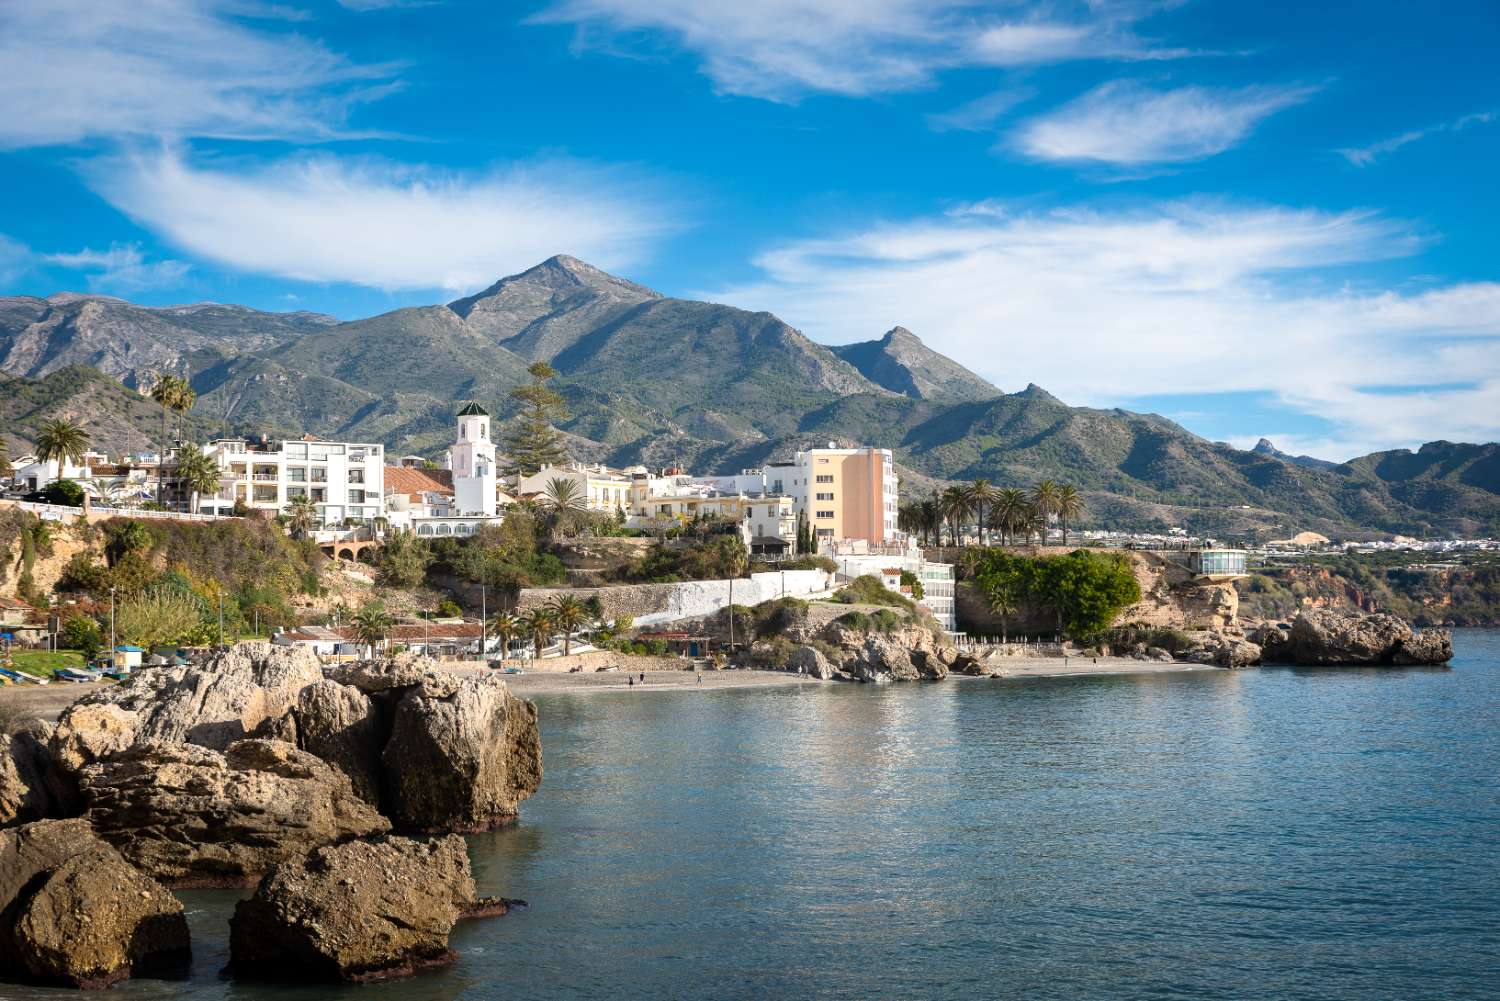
x=444, y=530
x=424, y=529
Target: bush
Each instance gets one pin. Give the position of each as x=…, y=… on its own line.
x=64, y=492
x=82, y=633
x=885, y=621
x=779, y=615
x=449, y=609
x=910, y=580
x=870, y=590
x=858, y=621
x=161, y=617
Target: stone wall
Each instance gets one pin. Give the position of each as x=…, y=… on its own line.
x=655, y=604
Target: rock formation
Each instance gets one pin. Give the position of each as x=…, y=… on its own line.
x=366, y=910
x=463, y=753
x=194, y=816
x=341, y=725
x=212, y=706
x=1324, y=637
x=25, y=766
x=74, y=913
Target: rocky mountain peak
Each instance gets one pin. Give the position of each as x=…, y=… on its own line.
x=901, y=363
x=558, y=279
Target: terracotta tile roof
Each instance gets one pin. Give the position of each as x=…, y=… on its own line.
x=414, y=482
x=14, y=603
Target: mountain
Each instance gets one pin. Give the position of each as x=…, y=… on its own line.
x=1264, y=447
x=133, y=343
x=119, y=420
x=900, y=362
x=659, y=380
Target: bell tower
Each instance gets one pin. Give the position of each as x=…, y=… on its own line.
x=473, y=461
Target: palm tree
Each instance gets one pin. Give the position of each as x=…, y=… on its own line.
x=564, y=499
x=64, y=440
x=1008, y=511
x=954, y=507
x=370, y=625
x=301, y=516
x=197, y=473
x=1070, y=506
x=506, y=627
x=186, y=397
x=166, y=391
x=568, y=613
x=538, y=624
x=981, y=494
x=1044, y=499
x=6, y=469
x=932, y=518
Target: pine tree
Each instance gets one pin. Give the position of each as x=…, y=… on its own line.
x=534, y=443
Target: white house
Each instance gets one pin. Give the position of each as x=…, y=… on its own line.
x=456, y=501
x=344, y=479
x=937, y=579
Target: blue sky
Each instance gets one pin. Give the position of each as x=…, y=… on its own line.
x=1259, y=219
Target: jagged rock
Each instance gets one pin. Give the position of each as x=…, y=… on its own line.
x=1275, y=640
x=970, y=666
x=1324, y=637
x=25, y=766
x=213, y=706
x=810, y=661
x=194, y=816
x=1428, y=647
x=1236, y=652
x=340, y=724
x=403, y=670
x=1158, y=653
x=463, y=753
x=879, y=656
x=366, y=910
x=76, y=914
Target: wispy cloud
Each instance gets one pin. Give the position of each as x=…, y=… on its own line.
x=783, y=49
x=326, y=219
x=1363, y=156
x=73, y=70
x=121, y=269
x=15, y=259
x=1125, y=124
x=980, y=114
x=1196, y=297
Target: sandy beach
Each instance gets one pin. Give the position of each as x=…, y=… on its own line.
x=1079, y=667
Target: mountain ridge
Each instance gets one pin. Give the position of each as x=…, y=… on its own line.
x=656, y=379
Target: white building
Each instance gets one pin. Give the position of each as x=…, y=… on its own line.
x=888, y=563
x=454, y=501
x=472, y=459
x=30, y=473
x=344, y=479
x=599, y=488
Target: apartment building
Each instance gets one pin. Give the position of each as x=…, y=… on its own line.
x=937, y=579
x=845, y=493
x=600, y=488
x=768, y=524
x=344, y=479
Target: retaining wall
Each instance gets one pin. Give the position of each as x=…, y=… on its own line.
x=654, y=604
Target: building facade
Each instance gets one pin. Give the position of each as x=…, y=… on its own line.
x=845, y=493
x=345, y=480
x=937, y=579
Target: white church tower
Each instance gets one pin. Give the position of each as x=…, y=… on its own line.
x=473, y=462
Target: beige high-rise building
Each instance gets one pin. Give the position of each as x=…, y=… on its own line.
x=847, y=493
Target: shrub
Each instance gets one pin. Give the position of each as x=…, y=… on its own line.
x=870, y=590
x=449, y=609
x=911, y=580
x=854, y=620
x=160, y=617
x=82, y=633
x=64, y=492
x=885, y=621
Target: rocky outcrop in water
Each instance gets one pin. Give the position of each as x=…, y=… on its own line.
x=463, y=753
x=343, y=726
x=367, y=910
x=194, y=816
x=1320, y=637
x=74, y=913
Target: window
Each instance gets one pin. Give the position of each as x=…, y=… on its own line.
x=319, y=494
x=825, y=497
x=294, y=492
x=356, y=476
x=297, y=474
x=320, y=474
x=356, y=497
x=825, y=533
x=825, y=478
x=824, y=514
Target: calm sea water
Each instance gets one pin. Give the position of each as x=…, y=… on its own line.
x=1257, y=834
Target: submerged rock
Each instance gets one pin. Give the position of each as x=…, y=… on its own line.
x=76, y=914
x=194, y=816
x=462, y=755
x=366, y=910
x=224, y=700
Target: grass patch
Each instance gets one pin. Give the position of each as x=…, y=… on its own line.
x=42, y=663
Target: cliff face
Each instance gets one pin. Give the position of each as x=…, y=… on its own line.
x=1170, y=598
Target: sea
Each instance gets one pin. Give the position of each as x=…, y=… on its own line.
x=1270, y=833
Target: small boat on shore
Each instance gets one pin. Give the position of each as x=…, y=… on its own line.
x=75, y=675
x=14, y=677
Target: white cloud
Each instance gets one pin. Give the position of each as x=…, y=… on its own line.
x=324, y=219
x=781, y=49
x=72, y=70
x=1195, y=297
x=1365, y=155
x=15, y=259
x=121, y=269
x=979, y=114
x=1125, y=124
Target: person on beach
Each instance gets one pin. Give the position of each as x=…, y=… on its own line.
x=630, y=679
x=643, y=677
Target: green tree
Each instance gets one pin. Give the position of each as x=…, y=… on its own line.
x=981, y=495
x=1008, y=512
x=953, y=504
x=565, y=504
x=82, y=633
x=1044, y=497
x=1070, y=507
x=63, y=492
x=301, y=516
x=403, y=559
x=506, y=627
x=535, y=443
x=370, y=624
x=568, y=614
x=168, y=392
x=539, y=625
x=197, y=473
x=62, y=440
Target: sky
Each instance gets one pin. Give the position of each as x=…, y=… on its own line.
x=1270, y=219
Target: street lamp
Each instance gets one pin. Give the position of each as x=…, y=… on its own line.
x=483, y=617
x=111, y=625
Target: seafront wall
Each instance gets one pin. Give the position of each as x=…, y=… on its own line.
x=654, y=604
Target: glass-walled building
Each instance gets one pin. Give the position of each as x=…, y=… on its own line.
x=1218, y=562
